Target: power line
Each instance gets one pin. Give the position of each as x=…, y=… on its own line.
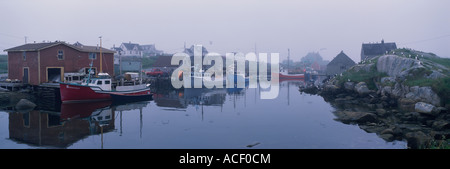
x=11, y=36
x=425, y=40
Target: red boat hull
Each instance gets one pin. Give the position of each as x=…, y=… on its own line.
x=296, y=76
x=75, y=93
x=81, y=109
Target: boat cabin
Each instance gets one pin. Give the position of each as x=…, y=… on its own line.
x=102, y=80
x=74, y=77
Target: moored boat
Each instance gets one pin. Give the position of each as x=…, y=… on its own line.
x=120, y=97
x=97, y=88
x=292, y=76
x=285, y=75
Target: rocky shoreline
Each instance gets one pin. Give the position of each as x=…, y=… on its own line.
x=386, y=116
x=393, y=110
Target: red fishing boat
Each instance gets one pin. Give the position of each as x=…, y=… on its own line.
x=98, y=88
x=284, y=75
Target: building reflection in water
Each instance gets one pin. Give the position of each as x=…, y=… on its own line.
x=74, y=122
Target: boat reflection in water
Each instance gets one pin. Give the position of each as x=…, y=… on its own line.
x=75, y=121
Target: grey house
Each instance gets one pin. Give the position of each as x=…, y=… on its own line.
x=164, y=63
x=370, y=50
x=339, y=64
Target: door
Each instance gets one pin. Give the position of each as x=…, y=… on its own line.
x=55, y=74
x=25, y=75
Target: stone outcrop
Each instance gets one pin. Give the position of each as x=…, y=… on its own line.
x=361, y=88
x=426, y=108
x=25, y=104
x=349, y=86
x=394, y=110
x=396, y=66
x=359, y=117
x=423, y=94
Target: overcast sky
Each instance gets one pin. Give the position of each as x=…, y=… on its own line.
x=328, y=26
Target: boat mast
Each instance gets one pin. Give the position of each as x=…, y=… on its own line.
x=289, y=53
x=101, y=71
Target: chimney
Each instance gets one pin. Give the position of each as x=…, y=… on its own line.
x=382, y=41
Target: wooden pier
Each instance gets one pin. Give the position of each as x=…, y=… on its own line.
x=49, y=96
x=12, y=86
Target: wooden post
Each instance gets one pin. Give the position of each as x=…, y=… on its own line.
x=101, y=130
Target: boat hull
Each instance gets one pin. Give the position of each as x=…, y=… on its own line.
x=293, y=76
x=131, y=97
x=74, y=93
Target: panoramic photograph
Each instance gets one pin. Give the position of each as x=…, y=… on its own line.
x=235, y=74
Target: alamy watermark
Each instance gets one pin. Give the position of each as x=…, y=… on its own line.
x=189, y=75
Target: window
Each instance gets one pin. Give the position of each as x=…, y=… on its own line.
x=99, y=82
x=24, y=54
x=60, y=55
x=92, y=55
x=107, y=82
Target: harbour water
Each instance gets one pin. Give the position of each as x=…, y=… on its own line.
x=191, y=118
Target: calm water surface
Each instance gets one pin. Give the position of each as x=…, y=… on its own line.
x=190, y=118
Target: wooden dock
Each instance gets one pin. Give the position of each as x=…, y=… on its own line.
x=49, y=96
x=12, y=86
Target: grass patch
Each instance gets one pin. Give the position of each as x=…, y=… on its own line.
x=3, y=63
x=369, y=77
x=147, y=62
x=441, y=86
x=437, y=144
x=442, y=61
x=3, y=67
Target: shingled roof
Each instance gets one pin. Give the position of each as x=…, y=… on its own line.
x=164, y=61
x=370, y=50
x=40, y=46
x=130, y=46
x=342, y=58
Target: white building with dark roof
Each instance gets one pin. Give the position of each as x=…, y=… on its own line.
x=134, y=49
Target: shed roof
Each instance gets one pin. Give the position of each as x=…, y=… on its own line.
x=130, y=46
x=164, y=61
x=378, y=48
x=342, y=58
x=40, y=46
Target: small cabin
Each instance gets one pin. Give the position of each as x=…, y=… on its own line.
x=339, y=64
x=103, y=81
